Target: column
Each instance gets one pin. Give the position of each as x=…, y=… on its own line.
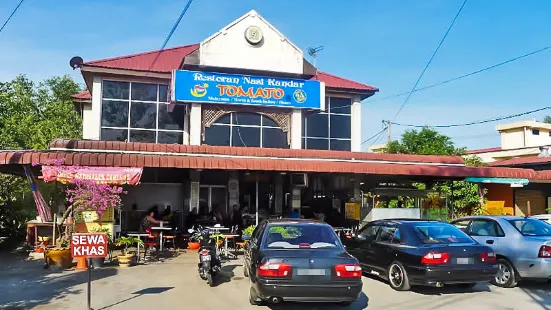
x=91, y=118
x=296, y=129
x=233, y=189
x=195, y=120
x=356, y=124
x=278, y=201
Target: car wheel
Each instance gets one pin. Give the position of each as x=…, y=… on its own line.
x=506, y=275
x=398, y=277
x=245, y=270
x=253, y=298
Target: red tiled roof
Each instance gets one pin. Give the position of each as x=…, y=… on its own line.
x=83, y=95
x=295, y=165
x=96, y=145
x=480, y=151
x=171, y=58
x=518, y=161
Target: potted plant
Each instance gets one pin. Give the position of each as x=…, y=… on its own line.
x=219, y=238
x=194, y=241
x=247, y=232
x=59, y=255
x=98, y=262
x=127, y=259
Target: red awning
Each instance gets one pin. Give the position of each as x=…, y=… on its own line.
x=102, y=175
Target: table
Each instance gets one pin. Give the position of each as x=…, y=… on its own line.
x=139, y=235
x=161, y=229
x=217, y=229
x=226, y=237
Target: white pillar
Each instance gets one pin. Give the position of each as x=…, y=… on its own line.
x=296, y=129
x=186, y=126
x=356, y=124
x=91, y=118
x=195, y=118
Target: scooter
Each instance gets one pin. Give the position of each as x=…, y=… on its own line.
x=209, y=262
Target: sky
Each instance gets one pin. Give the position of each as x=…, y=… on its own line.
x=378, y=42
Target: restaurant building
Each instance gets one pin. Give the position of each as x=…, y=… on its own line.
x=241, y=118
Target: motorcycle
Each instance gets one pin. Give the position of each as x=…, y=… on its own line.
x=209, y=262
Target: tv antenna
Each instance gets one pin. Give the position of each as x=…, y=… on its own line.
x=313, y=52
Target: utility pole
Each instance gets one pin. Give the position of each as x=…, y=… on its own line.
x=389, y=136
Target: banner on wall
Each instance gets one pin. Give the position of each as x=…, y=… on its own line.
x=101, y=175
x=219, y=88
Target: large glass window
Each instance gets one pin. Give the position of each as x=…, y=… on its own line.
x=138, y=112
x=330, y=130
x=246, y=130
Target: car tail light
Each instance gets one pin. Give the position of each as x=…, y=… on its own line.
x=435, y=258
x=545, y=251
x=277, y=270
x=348, y=271
x=489, y=257
x=204, y=252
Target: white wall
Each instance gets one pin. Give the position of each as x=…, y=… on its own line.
x=195, y=127
x=537, y=140
x=512, y=139
x=91, y=116
x=147, y=195
x=392, y=213
x=296, y=129
x=229, y=48
x=356, y=124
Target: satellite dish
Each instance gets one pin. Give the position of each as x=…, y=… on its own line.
x=76, y=62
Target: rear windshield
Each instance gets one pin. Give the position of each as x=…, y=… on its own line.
x=440, y=233
x=295, y=236
x=531, y=227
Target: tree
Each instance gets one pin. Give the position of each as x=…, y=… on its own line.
x=424, y=142
x=31, y=116
x=547, y=119
x=427, y=141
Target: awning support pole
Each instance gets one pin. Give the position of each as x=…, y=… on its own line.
x=256, y=177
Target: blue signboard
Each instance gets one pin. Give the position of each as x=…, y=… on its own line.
x=207, y=87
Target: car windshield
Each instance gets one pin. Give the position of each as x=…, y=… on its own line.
x=531, y=227
x=301, y=236
x=440, y=233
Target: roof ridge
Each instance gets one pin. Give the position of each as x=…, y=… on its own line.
x=346, y=79
x=140, y=54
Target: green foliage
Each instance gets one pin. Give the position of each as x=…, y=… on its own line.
x=547, y=119
x=31, y=115
x=127, y=242
x=249, y=230
x=286, y=232
x=426, y=141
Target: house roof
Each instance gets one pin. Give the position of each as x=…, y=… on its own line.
x=122, y=154
x=487, y=150
x=167, y=60
x=522, y=161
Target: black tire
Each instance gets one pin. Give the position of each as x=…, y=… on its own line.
x=253, y=299
x=506, y=276
x=210, y=279
x=397, y=277
x=467, y=286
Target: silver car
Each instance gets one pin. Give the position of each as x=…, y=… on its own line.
x=522, y=245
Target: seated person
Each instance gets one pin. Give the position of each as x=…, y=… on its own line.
x=150, y=219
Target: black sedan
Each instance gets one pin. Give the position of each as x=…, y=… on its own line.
x=419, y=252
x=300, y=260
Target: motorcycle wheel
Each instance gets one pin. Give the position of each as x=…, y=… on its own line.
x=210, y=279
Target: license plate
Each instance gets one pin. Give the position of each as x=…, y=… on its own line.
x=464, y=261
x=205, y=258
x=311, y=272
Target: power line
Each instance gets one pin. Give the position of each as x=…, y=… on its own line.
x=373, y=136
x=11, y=15
x=430, y=60
x=171, y=32
x=466, y=75
x=475, y=122
x=381, y=135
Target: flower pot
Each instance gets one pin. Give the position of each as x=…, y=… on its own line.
x=193, y=245
x=126, y=260
x=60, y=257
x=97, y=262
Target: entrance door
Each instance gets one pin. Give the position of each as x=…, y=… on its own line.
x=212, y=196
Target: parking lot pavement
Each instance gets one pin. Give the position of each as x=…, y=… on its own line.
x=174, y=284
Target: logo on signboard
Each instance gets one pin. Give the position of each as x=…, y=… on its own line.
x=299, y=95
x=253, y=35
x=199, y=91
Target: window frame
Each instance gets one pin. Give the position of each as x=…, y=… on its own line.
x=158, y=102
x=328, y=113
x=260, y=127
x=500, y=233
